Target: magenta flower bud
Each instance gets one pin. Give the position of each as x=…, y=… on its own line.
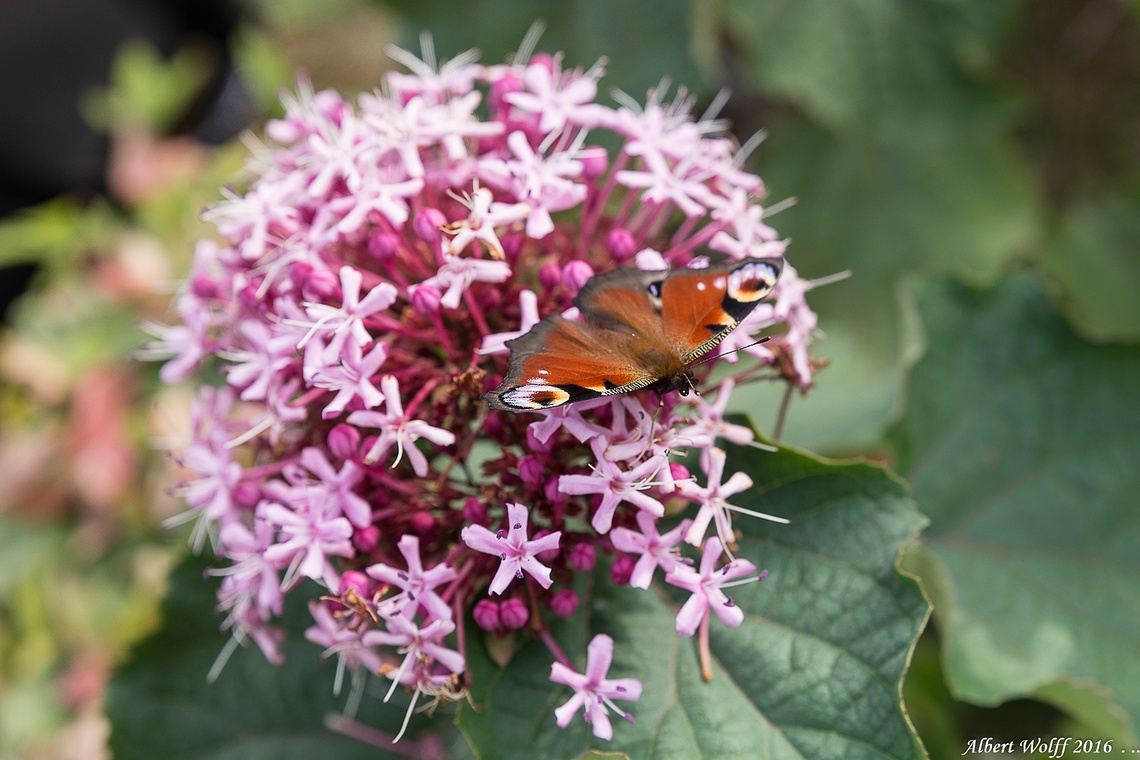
x=474, y=511
x=366, y=539
x=383, y=245
x=595, y=161
x=552, y=492
x=621, y=244
x=546, y=60
x=622, y=569
x=248, y=297
x=531, y=470
x=512, y=244
x=576, y=274
x=564, y=603
x=549, y=555
x=358, y=582
x=513, y=614
x=246, y=494
x=583, y=556
x=487, y=615
x=321, y=283
x=427, y=225
x=344, y=441
x=679, y=471
x=502, y=87
x=424, y=524
x=425, y=299
x=538, y=446
x=549, y=275
x=204, y=287
x=493, y=423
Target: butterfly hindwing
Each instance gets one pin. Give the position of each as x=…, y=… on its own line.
x=559, y=362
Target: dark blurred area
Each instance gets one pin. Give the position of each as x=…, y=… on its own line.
x=56, y=52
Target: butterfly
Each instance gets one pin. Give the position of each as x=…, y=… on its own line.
x=638, y=330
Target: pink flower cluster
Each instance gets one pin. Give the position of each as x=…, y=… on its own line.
x=357, y=307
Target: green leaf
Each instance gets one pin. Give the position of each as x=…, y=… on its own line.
x=1095, y=259
x=654, y=36
x=859, y=62
x=814, y=671
x=1020, y=440
x=934, y=199
x=161, y=705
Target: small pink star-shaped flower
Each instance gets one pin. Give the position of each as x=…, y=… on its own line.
x=615, y=485
x=396, y=428
x=513, y=548
x=656, y=550
x=706, y=585
x=418, y=585
x=593, y=692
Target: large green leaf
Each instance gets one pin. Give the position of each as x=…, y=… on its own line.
x=161, y=705
x=1095, y=258
x=859, y=62
x=814, y=672
x=643, y=42
x=1021, y=442
x=926, y=198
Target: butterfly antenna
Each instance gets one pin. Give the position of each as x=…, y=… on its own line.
x=765, y=339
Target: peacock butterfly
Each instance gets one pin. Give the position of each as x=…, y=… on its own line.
x=638, y=329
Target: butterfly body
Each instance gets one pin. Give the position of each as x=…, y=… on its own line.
x=639, y=329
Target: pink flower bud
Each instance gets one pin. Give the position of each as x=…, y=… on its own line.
x=426, y=225
x=531, y=470
x=549, y=275
x=679, y=471
x=246, y=494
x=538, y=446
x=583, y=556
x=383, y=245
x=513, y=613
x=564, y=603
x=502, y=87
x=424, y=524
x=622, y=569
x=344, y=441
x=549, y=555
x=248, y=297
x=621, y=244
x=358, y=582
x=545, y=60
x=204, y=287
x=474, y=511
x=487, y=615
x=576, y=274
x=512, y=244
x=425, y=299
x=553, y=494
x=594, y=162
x=366, y=539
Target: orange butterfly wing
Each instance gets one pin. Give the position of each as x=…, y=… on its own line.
x=638, y=329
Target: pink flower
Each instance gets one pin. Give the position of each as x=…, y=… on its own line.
x=513, y=548
x=594, y=694
x=657, y=551
x=706, y=585
x=397, y=429
x=417, y=585
x=616, y=486
x=713, y=499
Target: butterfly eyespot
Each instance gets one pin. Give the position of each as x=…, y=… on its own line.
x=655, y=289
x=752, y=281
x=535, y=397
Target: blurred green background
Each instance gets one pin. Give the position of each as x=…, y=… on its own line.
x=919, y=139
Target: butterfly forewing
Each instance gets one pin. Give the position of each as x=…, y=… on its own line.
x=702, y=306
